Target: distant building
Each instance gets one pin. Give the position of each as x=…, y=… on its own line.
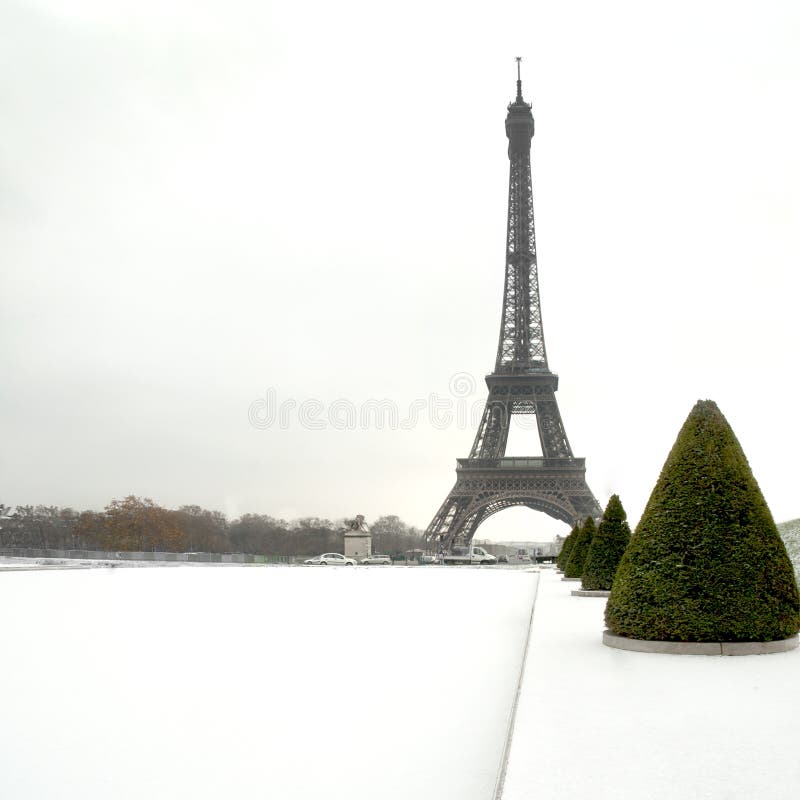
x=536, y=551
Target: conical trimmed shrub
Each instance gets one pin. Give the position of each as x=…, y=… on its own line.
x=577, y=558
x=608, y=545
x=566, y=548
x=706, y=563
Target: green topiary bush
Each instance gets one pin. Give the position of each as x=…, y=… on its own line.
x=608, y=545
x=706, y=563
x=566, y=548
x=577, y=558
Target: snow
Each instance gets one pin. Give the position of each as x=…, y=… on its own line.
x=602, y=723
x=247, y=682
x=301, y=683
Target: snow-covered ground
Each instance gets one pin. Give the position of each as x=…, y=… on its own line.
x=594, y=722
x=287, y=683
x=304, y=683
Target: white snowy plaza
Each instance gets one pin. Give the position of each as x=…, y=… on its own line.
x=281, y=682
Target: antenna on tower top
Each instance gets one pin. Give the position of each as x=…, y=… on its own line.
x=519, y=80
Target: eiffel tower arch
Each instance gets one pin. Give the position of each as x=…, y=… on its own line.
x=521, y=383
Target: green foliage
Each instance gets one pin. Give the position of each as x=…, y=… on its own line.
x=583, y=541
x=706, y=562
x=566, y=548
x=608, y=545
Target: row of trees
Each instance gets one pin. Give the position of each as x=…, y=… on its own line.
x=139, y=524
x=593, y=553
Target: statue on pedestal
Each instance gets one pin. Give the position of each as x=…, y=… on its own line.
x=355, y=525
x=357, y=538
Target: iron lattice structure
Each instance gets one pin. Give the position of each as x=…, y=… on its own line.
x=521, y=383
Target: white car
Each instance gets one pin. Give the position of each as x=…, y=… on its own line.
x=332, y=559
x=377, y=559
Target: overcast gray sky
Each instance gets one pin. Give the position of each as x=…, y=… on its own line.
x=210, y=210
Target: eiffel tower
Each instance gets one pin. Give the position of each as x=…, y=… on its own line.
x=521, y=383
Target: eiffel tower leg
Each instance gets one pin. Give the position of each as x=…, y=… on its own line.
x=470, y=526
x=552, y=435
x=441, y=522
x=492, y=436
x=585, y=504
x=456, y=521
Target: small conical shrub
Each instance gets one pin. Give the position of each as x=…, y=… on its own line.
x=566, y=548
x=608, y=545
x=577, y=558
x=706, y=562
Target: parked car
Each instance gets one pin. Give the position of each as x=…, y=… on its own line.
x=517, y=557
x=469, y=555
x=331, y=559
x=376, y=559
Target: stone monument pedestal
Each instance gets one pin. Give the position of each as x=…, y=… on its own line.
x=357, y=544
x=357, y=538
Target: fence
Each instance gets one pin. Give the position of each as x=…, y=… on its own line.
x=128, y=555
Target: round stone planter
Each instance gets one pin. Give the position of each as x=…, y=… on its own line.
x=572, y=579
x=591, y=592
x=699, y=648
